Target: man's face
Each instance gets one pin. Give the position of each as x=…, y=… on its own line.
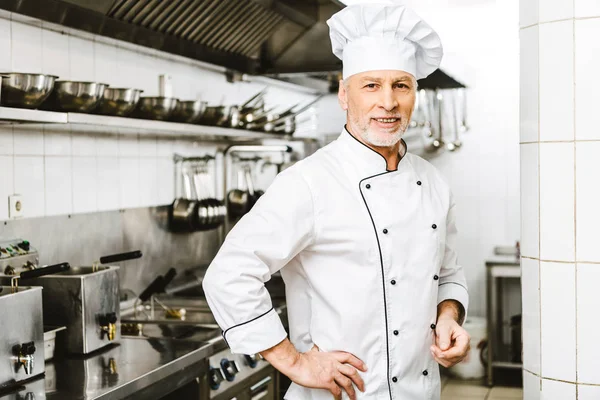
x=379, y=105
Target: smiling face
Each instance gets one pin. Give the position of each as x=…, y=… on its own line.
x=379, y=105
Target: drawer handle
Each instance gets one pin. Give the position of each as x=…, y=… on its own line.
x=259, y=396
x=259, y=385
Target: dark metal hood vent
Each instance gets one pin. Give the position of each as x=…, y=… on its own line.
x=233, y=26
x=249, y=36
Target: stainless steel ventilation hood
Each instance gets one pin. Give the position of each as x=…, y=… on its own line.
x=249, y=36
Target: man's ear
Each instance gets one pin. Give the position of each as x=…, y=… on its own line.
x=343, y=96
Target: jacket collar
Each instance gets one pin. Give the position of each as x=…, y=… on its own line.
x=370, y=161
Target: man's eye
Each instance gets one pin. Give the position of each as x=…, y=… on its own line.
x=402, y=86
x=371, y=86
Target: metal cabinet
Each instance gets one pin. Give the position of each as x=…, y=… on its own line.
x=498, y=273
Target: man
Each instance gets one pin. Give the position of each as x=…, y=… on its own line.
x=364, y=236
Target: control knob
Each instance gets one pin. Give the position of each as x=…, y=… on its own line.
x=230, y=368
x=215, y=377
x=251, y=360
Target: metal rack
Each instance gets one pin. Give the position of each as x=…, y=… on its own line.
x=22, y=116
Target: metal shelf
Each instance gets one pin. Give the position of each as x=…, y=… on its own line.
x=507, y=364
x=24, y=116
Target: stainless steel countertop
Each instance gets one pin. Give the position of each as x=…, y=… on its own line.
x=132, y=368
x=136, y=368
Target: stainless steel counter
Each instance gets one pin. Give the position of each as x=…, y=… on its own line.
x=133, y=369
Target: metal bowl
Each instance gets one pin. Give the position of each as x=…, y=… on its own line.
x=118, y=102
x=25, y=90
x=156, y=108
x=189, y=111
x=70, y=96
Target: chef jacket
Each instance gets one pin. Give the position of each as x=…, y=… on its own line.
x=366, y=255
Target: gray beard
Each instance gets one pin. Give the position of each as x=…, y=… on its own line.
x=387, y=140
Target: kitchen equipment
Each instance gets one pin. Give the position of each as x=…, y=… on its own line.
x=516, y=344
x=238, y=200
x=70, y=96
x=52, y=335
x=197, y=209
x=85, y=299
x=118, y=102
x=189, y=111
x=25, y=90
x=156, y=108
x=220, y=116
x=21, y=341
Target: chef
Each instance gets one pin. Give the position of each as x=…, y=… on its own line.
x=363, y=233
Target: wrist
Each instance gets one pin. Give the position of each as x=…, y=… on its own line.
x=450, y=309
x=284, y=357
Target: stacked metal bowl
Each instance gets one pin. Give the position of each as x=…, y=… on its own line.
x=72, y=96
x=24, y=90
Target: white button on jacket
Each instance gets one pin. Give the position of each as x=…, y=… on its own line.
x=366, y=256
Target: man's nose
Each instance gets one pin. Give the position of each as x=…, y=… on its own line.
x=387, y=100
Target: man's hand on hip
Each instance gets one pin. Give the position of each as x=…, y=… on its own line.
x=334, y=371
x=452, y=342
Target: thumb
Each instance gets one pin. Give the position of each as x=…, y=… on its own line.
x=444, y=337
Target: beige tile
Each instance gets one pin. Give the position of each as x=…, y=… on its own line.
x=505, y=393
x=465, y=389
x=461, y=397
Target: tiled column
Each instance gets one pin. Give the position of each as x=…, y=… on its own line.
x=560, y=198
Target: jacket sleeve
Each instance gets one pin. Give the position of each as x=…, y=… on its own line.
x=277, y=228
x=452, y=282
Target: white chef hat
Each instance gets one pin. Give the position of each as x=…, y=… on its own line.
x=380, y=36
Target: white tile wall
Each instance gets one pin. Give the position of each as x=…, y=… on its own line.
x=556, y=81
x=84, y=142
x=529, y=12
x=57, y=141
x=81, y=59
x=529, y=84
x=588, y=325
x=109, y=183
x=588, y=198
x=58, y=185
x=557, y=287
x=26, y=48
x=587, y=8
x=55, y=54
x=530, y=227
x=531, y=386
x=107, y=145
x=530, y=278
x=6, y=140
x=28, y=140
x=7, y=185
x=148, y=182
x=166, y=180
x=106, y=62
x=29, y=182
x=557, y=205
x=85, y=184
x=587, y=90
x=554, y=390
x=585, y=392
x=5, y=45
x=552, y=10
x=129, y=182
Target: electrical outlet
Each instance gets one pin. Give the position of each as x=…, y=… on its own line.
x=15, y=206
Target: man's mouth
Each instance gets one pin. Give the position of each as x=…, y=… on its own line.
x=387, y=120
